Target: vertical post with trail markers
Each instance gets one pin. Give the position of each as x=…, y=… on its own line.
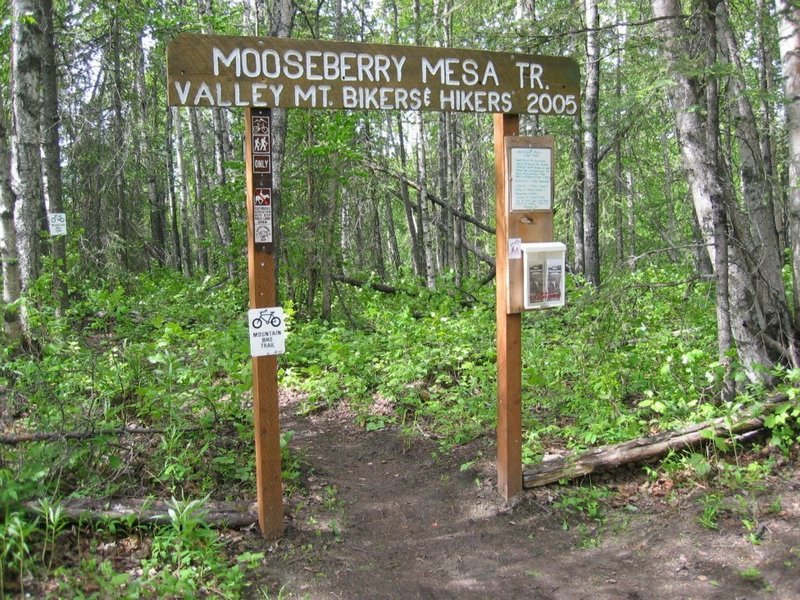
x=261, y=273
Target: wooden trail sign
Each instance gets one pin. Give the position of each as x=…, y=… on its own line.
x=264, y=73
x=216, y=70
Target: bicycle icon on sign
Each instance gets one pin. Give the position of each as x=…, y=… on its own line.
x=260, y=125
x=266, y=316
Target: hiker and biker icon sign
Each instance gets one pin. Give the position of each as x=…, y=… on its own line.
x=267, y=331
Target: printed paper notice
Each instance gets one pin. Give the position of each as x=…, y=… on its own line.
x=57, y=223
x=555, y=279
x=531, y=179
x=262, y=215
x=536, y=287
x=514, y=248
x=267, y=331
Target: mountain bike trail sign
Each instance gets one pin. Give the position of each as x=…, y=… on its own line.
x=267, y=331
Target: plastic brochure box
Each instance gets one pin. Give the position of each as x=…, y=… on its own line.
x=543, y=274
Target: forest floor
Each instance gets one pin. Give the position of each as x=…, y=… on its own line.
x=383, y=515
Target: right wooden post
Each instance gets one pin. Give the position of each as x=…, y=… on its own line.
x=509, y=330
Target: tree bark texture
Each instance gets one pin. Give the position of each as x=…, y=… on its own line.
x=751, y=325
x=26, y=156
x=183, y=193
x=51, y=147
x=591, y=189
x=12, y=324
x=789, y=44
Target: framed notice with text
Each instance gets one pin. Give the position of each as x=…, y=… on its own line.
x=530, y=169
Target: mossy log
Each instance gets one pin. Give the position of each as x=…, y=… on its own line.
x=610, y=457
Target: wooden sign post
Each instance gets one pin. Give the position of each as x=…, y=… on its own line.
x=514, y=226
x=263, y=73
x=263, y=294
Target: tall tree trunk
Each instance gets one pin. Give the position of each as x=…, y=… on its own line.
x=200, y=189
x=12, y=325
x=222, y=216
x=445, y=215
x=759, y=242
x=425, y=205
x=183, y=193
x=765, y=82
x=789, y=43
x=719, y=216
x=149, y=158
x=579, y=265
x=391, y=235
x=281, y=16
x=412, y=219
x=51, y=149
x=120, y=186
x=591, y=193
x=708, y=192
x=458, y=198
x=26, y=156
x=173, y=197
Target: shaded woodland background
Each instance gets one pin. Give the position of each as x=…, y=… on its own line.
x=686, y=146
x=124, y=366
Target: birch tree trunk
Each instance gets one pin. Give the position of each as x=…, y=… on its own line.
x=747, y=317
x=719, y=216
x=26, y=155
x=281, y=16
x=766, y=85
x=12, y=325
x=789, y=44
x=591, y=191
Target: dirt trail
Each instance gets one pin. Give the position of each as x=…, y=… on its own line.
x=388, y=517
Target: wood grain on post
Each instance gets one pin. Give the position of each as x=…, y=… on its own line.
x=509, y=351
x=263, y=294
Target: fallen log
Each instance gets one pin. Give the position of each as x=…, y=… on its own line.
x=234, y=515
x=609, y=457
x=49, y=436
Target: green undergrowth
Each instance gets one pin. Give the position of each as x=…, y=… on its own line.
x=167, y=359
x=637, y=356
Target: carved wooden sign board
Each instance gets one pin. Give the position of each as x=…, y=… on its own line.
x=260, y=74
x=213, y=70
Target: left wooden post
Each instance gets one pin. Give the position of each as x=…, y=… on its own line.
x=263, y=294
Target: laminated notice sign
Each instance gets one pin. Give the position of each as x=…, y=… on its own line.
x=262, y=215
x=267, y=327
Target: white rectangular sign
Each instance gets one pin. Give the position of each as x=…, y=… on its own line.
x=531, y=175
x=267, y=331
x=57, y=223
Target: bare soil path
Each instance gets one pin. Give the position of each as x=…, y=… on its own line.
x=386, y=516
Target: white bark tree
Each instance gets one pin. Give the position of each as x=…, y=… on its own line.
x=789, y=43
x=26, y=162
x=8, y=239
